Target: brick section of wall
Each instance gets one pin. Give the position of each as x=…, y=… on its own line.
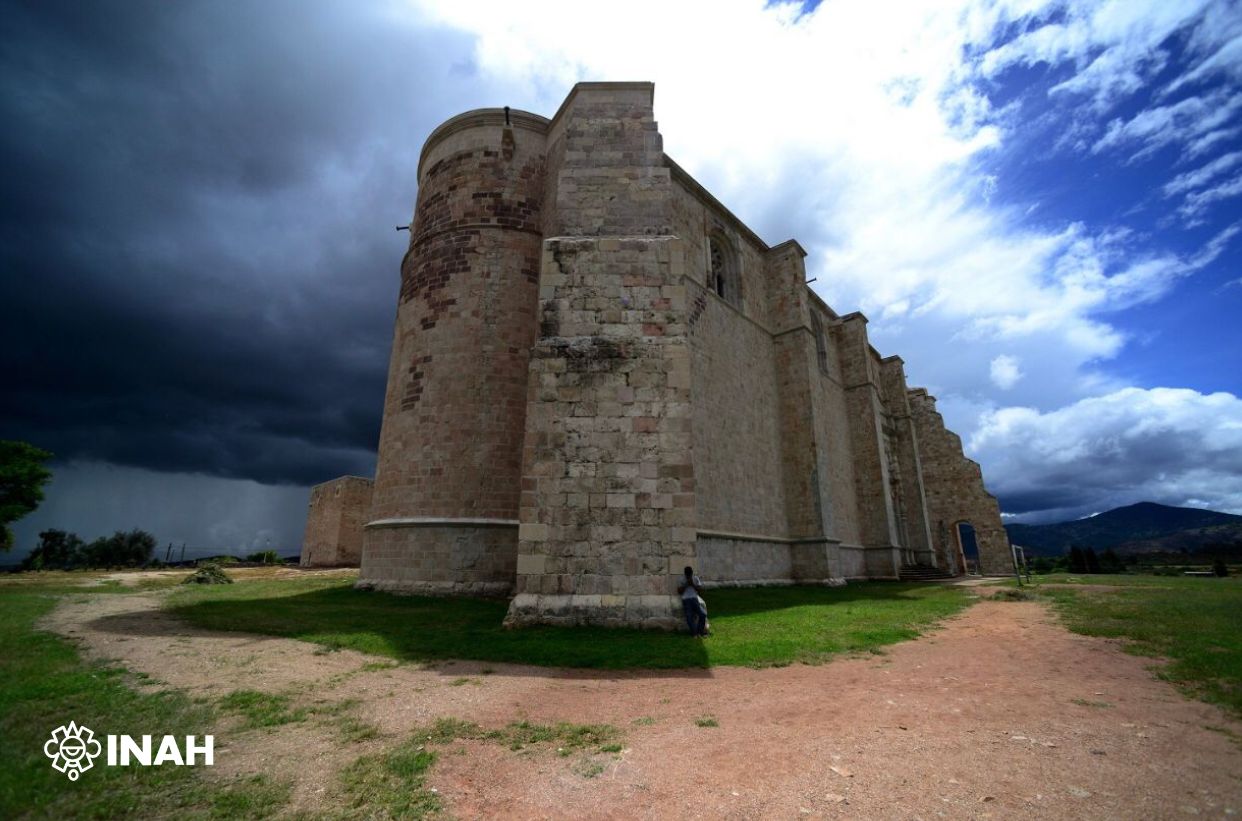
x=955, y=493
x=337, y=512
x=608, y=489
x=451, y=441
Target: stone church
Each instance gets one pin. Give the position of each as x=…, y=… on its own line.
x=600, y=375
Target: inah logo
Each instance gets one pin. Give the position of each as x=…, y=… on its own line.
x=72, y=749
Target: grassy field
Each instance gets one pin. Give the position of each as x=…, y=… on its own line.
x=755, y=627
x=1196, y=623
x=44, y=684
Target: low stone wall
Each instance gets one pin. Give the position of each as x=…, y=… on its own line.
x=334, y=521
x=883, y=562
x=741, y=560
x=735, y=562
x=603, y=610
x=859, y=563
x=440, y=557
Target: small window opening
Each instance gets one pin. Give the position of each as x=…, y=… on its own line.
x=717, y=267
x=821, y=344
x=722, y=275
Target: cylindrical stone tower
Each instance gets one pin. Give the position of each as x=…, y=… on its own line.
x=448, y=482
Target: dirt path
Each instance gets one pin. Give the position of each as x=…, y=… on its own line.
x=1001, y=714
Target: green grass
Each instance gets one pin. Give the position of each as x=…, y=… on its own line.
x=1196, y=623
x=753, y=627
x=706, y=721
x=391, y=784
x=262, y=709
x=518, y=735
x=62, y=582
x=44, y=683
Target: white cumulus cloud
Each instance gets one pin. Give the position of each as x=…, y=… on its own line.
x=1164, y=444
x=866, y=134
x=1005, y=372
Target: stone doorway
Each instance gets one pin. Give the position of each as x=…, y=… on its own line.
x=967, y=548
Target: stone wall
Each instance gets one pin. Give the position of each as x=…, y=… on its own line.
x=573, y=413
x=738, y=470
x=442, y=557
x=833, y=444
x=905, y=474
x=335, y=517
x=451, y=441
x=865, y=417
x=743, y=561
x=608, y=491
x=954, y=493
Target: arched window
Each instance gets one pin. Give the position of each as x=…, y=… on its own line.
x=821, y=344
x=722, y=272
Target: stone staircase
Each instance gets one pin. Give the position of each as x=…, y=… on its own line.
x=923, y=573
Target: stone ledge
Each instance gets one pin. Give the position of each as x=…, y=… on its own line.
x=722, y=585
x=415, y=588
x=754, y=537
x=437, y=521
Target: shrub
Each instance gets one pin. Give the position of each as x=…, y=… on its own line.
x=1219, y=567
x=208, y=573
x=1012, y=594
x=264, y=557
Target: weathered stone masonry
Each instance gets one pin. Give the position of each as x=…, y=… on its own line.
x=334, y=522
x=600, y=375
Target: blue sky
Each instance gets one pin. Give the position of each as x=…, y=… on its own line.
x=1037, y=203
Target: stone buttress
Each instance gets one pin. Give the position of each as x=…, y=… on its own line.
x=607, y=511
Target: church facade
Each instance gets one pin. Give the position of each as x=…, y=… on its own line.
x=600, y=375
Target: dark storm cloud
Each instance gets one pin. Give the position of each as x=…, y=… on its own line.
x=199, y=261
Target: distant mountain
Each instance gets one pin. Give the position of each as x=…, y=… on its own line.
x=1142, y=528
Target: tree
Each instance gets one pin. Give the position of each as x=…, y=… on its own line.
x=1111, y=562
x=1092, y=561
x=56, y=549
x=121, y=549
x=22, y=477
x=1077, y=560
